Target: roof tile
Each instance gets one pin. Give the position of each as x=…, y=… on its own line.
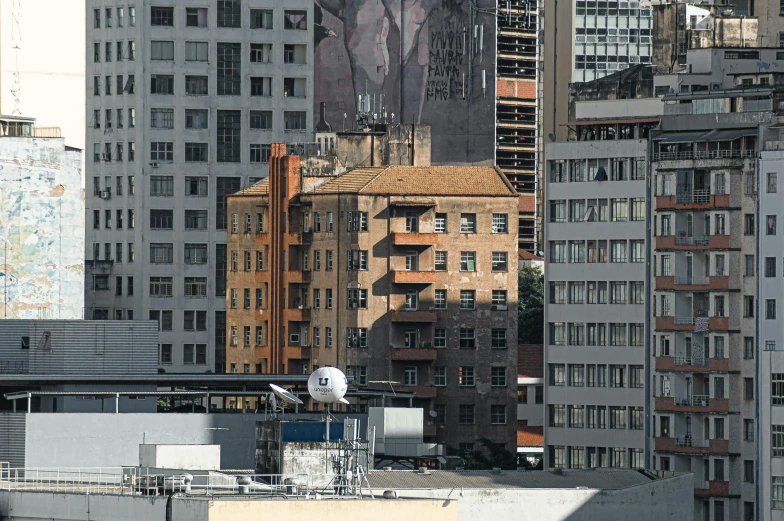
x=530, y=361
x=527, y=203
x=260, y=188
x=530, y=436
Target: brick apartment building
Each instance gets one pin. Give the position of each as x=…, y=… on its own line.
x=403, y=276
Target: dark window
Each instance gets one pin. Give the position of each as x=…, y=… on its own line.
x=295, y=20
x=229, y=69
x=220, y=272
x=162, y=16
x=225, y=186
x=229, y=13
x=229, y=135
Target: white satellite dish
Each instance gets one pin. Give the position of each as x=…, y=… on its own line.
x=284, y=395
x=328, y=385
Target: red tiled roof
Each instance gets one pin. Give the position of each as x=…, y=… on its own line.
x=527, y=255
x=259, y=188
x=530, y=361
x=530, y=436
x=526, y=203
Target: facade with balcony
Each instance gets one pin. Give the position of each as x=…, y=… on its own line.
x=404, y=277
x=703, y=273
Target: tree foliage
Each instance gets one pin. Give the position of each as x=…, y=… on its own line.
x=530, y=306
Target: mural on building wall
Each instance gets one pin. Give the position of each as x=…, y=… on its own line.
x=41, y=231
x=435, y=65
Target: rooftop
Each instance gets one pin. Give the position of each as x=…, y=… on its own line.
x=530, y=361
x=526, y=203
x=528, y=436
x=527, y=255
x=260, y=188
x=483, y=181
x=601, y=479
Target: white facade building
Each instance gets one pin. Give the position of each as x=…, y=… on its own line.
x=182, y=105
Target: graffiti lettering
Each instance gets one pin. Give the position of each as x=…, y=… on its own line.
x=445, y=68
x=437, y=90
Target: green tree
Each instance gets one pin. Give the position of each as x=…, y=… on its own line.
x=530, y=306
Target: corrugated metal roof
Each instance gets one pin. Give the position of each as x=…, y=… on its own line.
x=680, y=137
x=601, y=479
x=728, y=134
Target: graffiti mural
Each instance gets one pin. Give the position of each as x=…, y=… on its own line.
x=434, y=64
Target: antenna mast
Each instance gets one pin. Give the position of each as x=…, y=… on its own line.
x=16, y=40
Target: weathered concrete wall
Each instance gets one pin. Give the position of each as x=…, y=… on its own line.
x=670, y=499
x=41, y=229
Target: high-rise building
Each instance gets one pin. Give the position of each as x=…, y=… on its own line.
x=41, y=223
x=183, y=103
x=402, y=276
x=595, y=278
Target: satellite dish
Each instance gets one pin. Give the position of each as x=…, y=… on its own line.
x=328, y=385
x=551, y=137
x=433, y=414
x=284, y=395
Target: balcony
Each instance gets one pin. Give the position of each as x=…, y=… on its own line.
x=688, y=155
x=298, y=314
x=690, y=364
x=688, y=323
x=414, y=277
x=421, y=391
x=690, y=445
x=301, y=239
x=298, y=277
x=696, y=200
x=694, y=283
x=409, y=316
x=711, y=488
x=414, y=239
x=414, y=354
x=686, y=243
x=693, y=404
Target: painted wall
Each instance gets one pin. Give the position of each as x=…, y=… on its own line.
x=49, y=74
x=41, y=230
x=427, y=64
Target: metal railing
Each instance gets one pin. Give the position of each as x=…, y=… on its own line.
x=690, y=360
x=693, y=196
x=704, y=154
x=139, y=481
x=689, y=441
x=697, y=400
x=692, y=281
x=692, y=241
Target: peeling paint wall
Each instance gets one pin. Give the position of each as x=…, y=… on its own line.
x=41, y=230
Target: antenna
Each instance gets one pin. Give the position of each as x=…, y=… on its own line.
x=16, y=39
x=284, y=395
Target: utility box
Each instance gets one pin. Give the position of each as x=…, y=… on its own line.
x=399, y=432
x=191, y=457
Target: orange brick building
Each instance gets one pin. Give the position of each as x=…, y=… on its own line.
x=398, y=274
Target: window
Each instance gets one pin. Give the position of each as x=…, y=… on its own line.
x=229, y=13
x=500, y=224
x=770, y=225
x=355, y=298
x=557, y=414
x=261, y=120
x=195, y=253
x=260, y=153
x=638, y=209
x=196, y=152
x=196, y=85
x=497, y=414
x=617, y=334
x=161, y=219
x=196, y=186
x=439, y=376
x=161, y=16
x=466, y=376
x=777, y=388
x=770, y=309
x=162, y=118
x=558, y=211
x=748, y=224
x=576, y=375
x=557, y=375
x=619, y=210
x=467, y=338
x=441, y=220
x=162, y=51
x=748, y=266
x=295, y=20
x=412, y=300
x=161, y=84
x=359, y=372
x=467, y=298
x=358, y=260
x=439, y=302
x=295, y=120
x=261, y=53
x=468, y=223
x=617, y=293
x=771, y=182
x=229, y=135
x=195, y=320
x=617, y=417
x=161, y=151
x=498, y=376
x=498, y=338
x=195, y=286
x=165, y=354
x=261, y=86
x=410, y=375
x=557, y=333
x=440, y=261
x=163, y=318
x=328, y=267
x=160, y=253
x=618, y=251
x=636, y=292
x=108, y=58
x=195, y=219
x=229, y=69
x=356, y=337
x=261, y=19
x=160, y=287
x=576, y=251
x=638, y=250
x=467, y=261
x=196, y=17
x=439, y=337
x=498, y=300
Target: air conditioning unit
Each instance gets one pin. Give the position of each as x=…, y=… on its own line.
x=106, y=194
x=154, y=164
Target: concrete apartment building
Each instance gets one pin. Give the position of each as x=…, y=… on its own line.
x=530, y=402
x=183, y=103
x=41, y=223
x=400, y=275
x=595, y=305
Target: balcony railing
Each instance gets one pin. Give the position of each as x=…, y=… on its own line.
x=693, y=197
x=692, y=281
x=689, y=441
x=704, y=154
x=698, y=400
x=692, y=241
x=691, y=360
